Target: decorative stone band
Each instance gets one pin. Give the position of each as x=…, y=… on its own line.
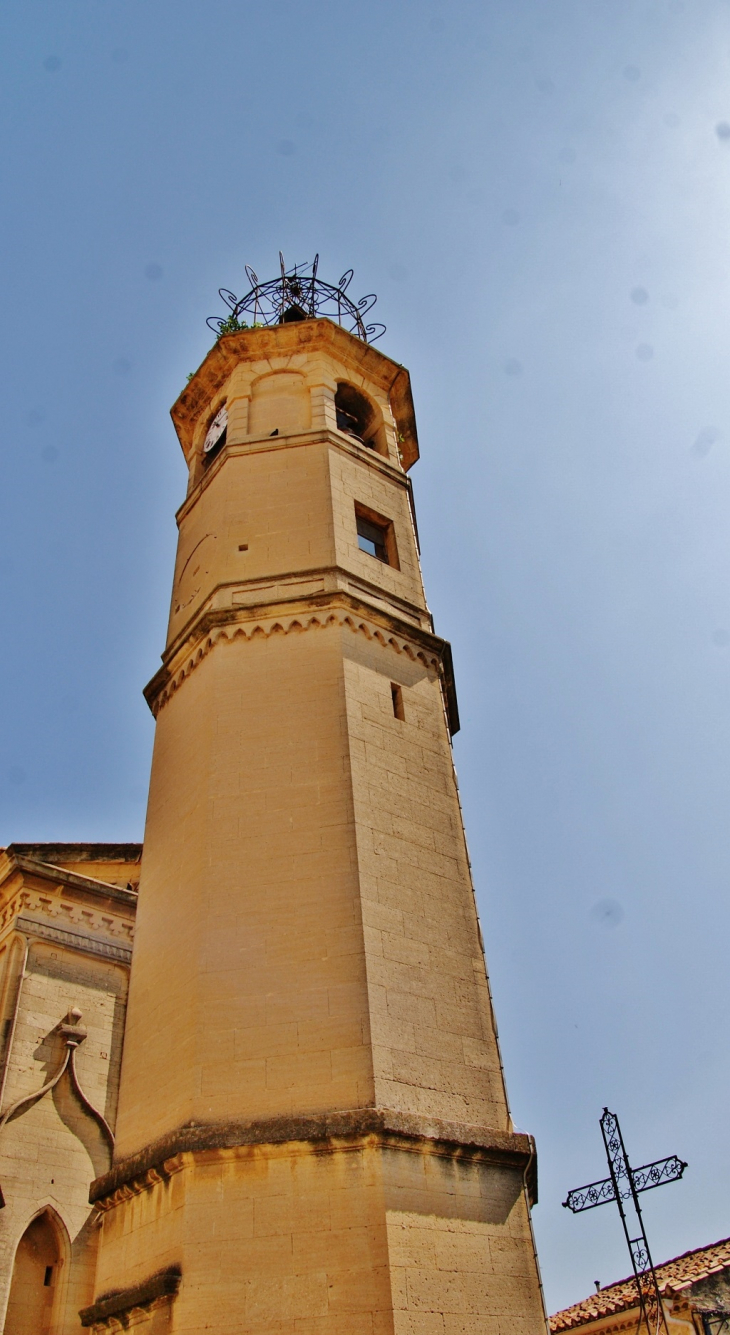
x=511, y=1149
x=115, y=1309
x=89, y=945
x=61, y=876
x=227, y=626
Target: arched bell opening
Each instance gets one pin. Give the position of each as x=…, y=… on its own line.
x=357, y=416
x=39, y=1256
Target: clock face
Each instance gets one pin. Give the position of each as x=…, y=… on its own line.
x=216, y=430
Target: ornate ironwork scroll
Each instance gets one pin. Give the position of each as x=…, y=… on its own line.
x=296, y=294
x=715, y=1320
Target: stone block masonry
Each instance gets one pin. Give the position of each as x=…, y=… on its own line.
x=312, y=1134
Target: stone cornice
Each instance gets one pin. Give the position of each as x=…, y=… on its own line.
x=116, y=1308
x=72, y=880
x=36, y=929
x=297, y=440
x=59, y=854
x=510, y=1149
x=322, y=612
x=289, y=591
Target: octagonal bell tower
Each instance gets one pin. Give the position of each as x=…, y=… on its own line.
x=313, y=1134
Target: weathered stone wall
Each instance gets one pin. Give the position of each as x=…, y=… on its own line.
x=248, y=993
x=361, y=1239
x=434, y=1046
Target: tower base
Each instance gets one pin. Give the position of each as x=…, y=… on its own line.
x=373, y=1224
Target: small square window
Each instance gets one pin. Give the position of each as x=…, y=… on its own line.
x=371, y=539
x=375, y=536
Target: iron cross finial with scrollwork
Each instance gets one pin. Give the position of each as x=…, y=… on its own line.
x=624, y=1185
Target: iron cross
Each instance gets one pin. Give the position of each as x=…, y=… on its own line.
x=623, y=1186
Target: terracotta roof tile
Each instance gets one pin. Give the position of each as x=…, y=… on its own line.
x=672, y=1276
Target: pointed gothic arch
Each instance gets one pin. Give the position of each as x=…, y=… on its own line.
x=34, y=1303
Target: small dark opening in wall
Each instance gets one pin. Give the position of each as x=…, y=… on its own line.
x=371, y=539
x=397, y=696
x=293, y=313
x=375, y=535
x=357, y=417
x=47, y=1277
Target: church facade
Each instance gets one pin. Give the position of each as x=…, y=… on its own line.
x=292, y=1117
x=66, y=931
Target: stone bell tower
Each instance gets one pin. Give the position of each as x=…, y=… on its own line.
x=313, y=1134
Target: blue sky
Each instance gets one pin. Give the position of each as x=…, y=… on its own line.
x=539, y=192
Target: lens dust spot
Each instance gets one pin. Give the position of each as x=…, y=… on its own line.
x=607, y=912
x=704, y=441
x=511, y=217
x=153, y=272
x=51, y=64
x=645, y=352
x=722, y=130
x=639, y=296
x=398, y=273
x=513, y=367
x=49, y=454
x=721, y=638
x=122, y=366
x=286, y=147
x=632, y=73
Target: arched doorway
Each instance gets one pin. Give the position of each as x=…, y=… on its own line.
x=35, y=1276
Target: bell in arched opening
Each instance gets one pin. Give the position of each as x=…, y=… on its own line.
x=357, y=417
x=293, y=313
x=35, y=1275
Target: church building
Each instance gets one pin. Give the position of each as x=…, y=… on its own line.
x=250, y=1073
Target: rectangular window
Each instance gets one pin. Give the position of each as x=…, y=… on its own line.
x=371, y=539
x=375, y=536
x=397, y=695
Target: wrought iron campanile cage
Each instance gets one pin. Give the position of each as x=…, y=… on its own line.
x=296, y=294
